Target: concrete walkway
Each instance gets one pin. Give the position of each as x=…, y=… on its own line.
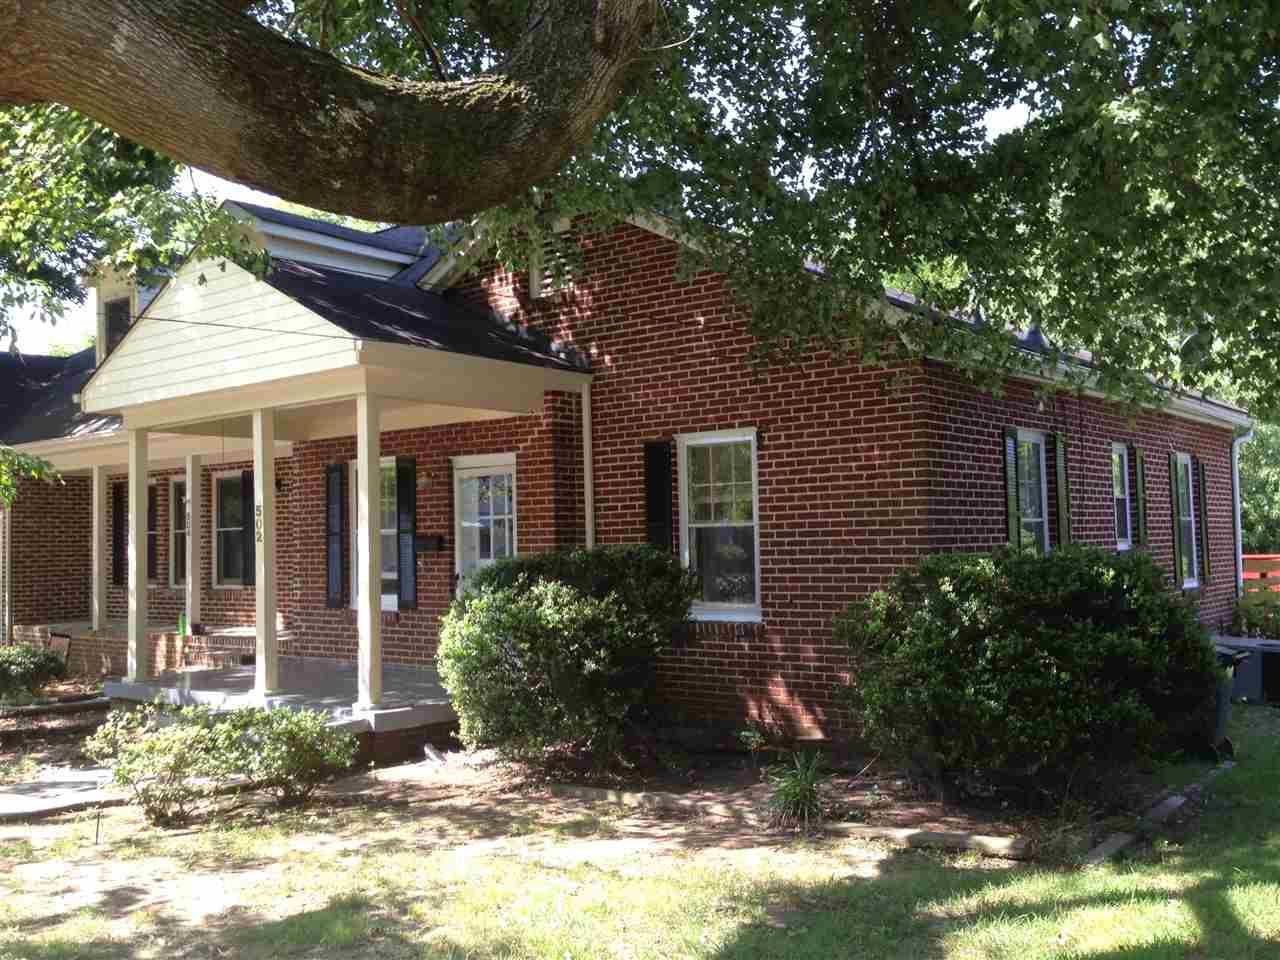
x=58, y=790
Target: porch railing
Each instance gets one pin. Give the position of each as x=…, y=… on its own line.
x=1261, y=572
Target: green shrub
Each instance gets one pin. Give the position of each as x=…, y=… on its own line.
x=560, y=649
x=26, y=667
x=291, y=752
x=1034, y=673
x=1257, y=615
x=653, y=589
x=795, y=797
x=173, y=761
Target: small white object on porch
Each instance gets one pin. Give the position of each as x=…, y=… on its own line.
x=98, y=613
x=368, y=557
x=195, y=542
x=139, y=652
x=267, y=654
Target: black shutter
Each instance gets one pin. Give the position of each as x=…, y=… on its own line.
x=153, y=559
x=1140, y=494
x=334, y=510
x=657, y=493
x=407, y=531
x=249, y=534
x=1064, y=489
x=1178, y=545
x=119, y=536
x=1202, y=485
x=1012, y=509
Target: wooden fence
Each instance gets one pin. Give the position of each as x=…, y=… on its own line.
x=1261, y=572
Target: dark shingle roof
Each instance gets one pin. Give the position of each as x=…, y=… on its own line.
x=37, y=399
x=407, y=240
x=381, y=310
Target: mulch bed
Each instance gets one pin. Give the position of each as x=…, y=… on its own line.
x=878, y=797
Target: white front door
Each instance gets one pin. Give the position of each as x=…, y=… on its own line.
x=484, y=497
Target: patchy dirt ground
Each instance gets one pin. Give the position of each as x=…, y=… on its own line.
x=28, y=743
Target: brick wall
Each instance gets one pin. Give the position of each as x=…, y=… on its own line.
x=966, y=505
x=860, y=469
x=51, y=529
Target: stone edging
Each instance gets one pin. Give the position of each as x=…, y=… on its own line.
x=1156, y=814
x=1010, y=848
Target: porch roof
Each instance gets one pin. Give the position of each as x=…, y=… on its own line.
x=389, y=312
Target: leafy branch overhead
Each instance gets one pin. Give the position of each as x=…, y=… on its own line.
x=1107, y=174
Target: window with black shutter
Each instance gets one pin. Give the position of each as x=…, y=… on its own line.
x=406, y=532
x=119, y=535
x=334, y=512
x=250, y=539
x=153, y=536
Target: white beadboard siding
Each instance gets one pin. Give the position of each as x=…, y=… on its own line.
x=231, y=331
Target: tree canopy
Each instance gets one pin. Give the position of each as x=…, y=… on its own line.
x=810, y=150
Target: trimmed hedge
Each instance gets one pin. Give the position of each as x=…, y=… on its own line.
x=1040, y=674
x=560, y=649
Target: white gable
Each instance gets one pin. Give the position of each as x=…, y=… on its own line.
x=229, y=331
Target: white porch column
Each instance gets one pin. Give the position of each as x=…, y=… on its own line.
x=368, y=559
x=98, y=596
x=195, y=533
x=267, y=661
x=139, y=648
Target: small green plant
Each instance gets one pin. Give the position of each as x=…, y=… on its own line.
x=795, y=800
x=1258, y=615
x=753, y=739
x=26, y=667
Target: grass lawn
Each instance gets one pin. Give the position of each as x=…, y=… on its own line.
x=453, y=869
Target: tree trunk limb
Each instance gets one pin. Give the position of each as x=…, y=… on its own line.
x=219, y=91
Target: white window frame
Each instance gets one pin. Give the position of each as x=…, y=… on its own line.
x=174, y=483
x=1184, y=462
x=213, y=549
x=704, y=610
x=390, y=601
x=1122, y=450
x=1042, y=438
x=483, y=465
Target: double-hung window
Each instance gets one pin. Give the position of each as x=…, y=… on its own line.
x=386, y=515
x=719, y=521
x=229, y=531
x=1120, y=495
x=178, y=533
x=1187, y=555
x=1032, y=491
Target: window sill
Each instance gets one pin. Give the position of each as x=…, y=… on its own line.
x=719, y=614
x=231, y=586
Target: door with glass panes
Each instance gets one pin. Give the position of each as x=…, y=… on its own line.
x=484, y=497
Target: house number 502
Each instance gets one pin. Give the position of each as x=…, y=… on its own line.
x=257, y=522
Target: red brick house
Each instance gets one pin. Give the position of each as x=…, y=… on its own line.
x=212, y=450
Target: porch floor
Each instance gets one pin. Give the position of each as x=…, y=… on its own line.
x=412, y=696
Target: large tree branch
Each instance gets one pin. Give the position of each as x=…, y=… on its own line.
x=225, y=94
